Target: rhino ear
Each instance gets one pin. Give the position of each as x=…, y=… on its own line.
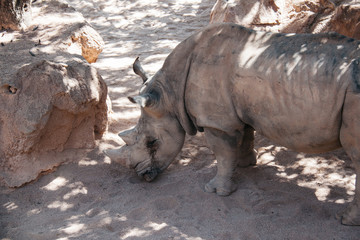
x=145, y=100
x=139, y=70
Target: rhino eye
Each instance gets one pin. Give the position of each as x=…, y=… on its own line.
x=152, y=146
x=151, y=143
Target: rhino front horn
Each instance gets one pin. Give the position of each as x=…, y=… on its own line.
x=139, y=70
x=119, y=155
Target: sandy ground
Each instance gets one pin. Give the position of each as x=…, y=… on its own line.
x=287, y=195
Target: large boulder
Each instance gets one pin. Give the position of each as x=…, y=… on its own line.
x=52, y=102
x=78, y=36
x=346, y=19
x=15, y=15
x=300, y=16
x=47, y=108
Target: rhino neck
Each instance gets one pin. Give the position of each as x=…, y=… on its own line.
x=176, y=70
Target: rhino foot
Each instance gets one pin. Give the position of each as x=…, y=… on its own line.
x=350, y=215
x=220, y=186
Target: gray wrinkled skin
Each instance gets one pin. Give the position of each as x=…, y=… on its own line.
x=150, y=148
x=301, y=91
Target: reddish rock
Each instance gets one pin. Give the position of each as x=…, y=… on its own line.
x=48, y=108
x=301, y=16
x=90, y=42
x=346, y=20
x=15, y=15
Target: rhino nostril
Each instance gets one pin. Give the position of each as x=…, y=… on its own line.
x=12, y=90
x=150, y=175
x=9, y=89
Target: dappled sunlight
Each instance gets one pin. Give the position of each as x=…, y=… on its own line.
x=148, y=230
x=61, y=205
x=315, y=172
x=76, y=188
x=34, y=211
x=185, y=161
x=9, y=37
x=251, y=51
x=73, y=228
x=84, y=162
x=267, y=154
x=251, y=15
x=59, y=19
x=56, y=184
x=328, y=174
x=61, y=183
x=343, y=70
x=113, y=63
x=108, y=139
x=10, y=206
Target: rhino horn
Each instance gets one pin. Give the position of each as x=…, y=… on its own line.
x=129, y=136
x=119, y=155
x=139, y=70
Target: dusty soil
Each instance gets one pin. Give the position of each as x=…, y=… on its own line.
x=287, y=195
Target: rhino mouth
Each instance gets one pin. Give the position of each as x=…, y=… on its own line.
x=149, y=173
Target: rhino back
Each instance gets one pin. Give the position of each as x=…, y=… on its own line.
x=290, y=88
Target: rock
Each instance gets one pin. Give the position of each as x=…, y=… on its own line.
x=78, y=35
x=89, y=41
x=346, y=19
x=57, y=27
x=48, y=108
x=15, y=15
x=301, y=16
x=53, y=103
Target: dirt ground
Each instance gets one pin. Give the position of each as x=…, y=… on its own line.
x=287, y=195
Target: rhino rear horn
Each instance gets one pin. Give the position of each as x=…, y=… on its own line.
x=139, y=70
x=129, y=136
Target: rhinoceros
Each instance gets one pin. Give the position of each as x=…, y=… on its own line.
x=300, y=90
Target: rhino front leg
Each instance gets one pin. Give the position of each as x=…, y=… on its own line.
x=226, y=149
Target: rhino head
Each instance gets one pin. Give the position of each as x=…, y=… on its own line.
x=158, y=136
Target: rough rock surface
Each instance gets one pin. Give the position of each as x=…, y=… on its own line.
x=346, y=19
x=52, y=101
x=89, y=41
x=300, y=16
x=15, y=15
x=47, y=108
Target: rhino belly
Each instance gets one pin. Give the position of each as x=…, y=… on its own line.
x=301, y=118
x=301, y=139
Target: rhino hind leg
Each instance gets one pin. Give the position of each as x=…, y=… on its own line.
x=227, y=152
x=247, y=155
x=351, y=215
x=349, y=138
